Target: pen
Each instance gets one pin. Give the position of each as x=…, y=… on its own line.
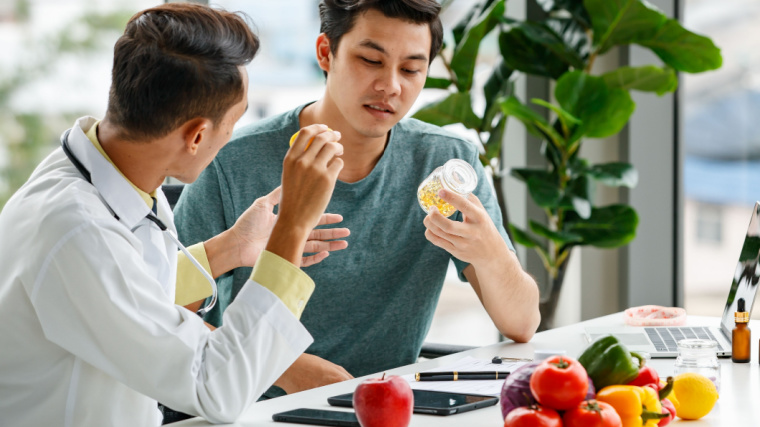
x=498, y=359
x=455, y=376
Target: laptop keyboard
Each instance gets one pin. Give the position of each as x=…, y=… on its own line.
x=666, y=339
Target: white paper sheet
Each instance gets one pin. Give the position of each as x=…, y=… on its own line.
x=484, y=387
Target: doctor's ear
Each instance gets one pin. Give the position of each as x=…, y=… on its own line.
x=194, y=132
x=323, y=52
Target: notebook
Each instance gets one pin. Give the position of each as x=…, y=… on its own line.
x=661, y=342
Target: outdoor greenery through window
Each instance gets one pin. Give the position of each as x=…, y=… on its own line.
x=54, y=67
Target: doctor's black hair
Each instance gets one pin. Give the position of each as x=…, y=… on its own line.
x=176, y=62
x=338, y=17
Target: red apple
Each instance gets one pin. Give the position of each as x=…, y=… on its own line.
x=384, y=402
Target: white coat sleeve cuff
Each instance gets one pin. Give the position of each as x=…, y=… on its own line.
x=262, y=300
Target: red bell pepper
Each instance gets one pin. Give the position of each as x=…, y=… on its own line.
x=667, y=408
x=647, y=377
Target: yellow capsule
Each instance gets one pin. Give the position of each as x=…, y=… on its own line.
x=295, y=135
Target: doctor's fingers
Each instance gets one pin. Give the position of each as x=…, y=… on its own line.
x=312, y=246
x=314, y=259
x=306, y=136
x=329, y=234
x=326, y=139
x=327, y=152
x=330, y=218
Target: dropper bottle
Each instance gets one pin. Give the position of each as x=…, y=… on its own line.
x=741, y=335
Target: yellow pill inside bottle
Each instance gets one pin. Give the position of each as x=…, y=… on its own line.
x=455, y=175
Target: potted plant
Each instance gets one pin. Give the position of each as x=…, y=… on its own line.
x=563, y=47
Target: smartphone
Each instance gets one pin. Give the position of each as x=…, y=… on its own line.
x=432, y=402
x=318, y=417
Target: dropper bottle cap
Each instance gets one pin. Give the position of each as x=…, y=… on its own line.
x=741, y=315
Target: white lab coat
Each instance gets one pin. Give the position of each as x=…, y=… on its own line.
x=89, y=333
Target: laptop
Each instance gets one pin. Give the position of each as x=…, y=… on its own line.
x=662, y=341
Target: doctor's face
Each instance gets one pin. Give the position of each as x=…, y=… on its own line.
x=377, y=72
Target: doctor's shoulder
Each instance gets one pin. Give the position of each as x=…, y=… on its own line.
x=53, y=205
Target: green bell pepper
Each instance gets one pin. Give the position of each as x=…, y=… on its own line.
x=608, y=361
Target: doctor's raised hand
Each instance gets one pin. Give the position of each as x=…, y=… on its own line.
x=308, y=180
x=309, y=173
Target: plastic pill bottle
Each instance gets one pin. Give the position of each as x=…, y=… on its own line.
x=455, y=175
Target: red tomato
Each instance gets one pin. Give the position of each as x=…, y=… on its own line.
x=667, y=408
x=533, y=416
x=592, y=413
x=559, y=382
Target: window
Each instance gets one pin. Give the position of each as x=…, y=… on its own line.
x=709, y=225
x=721, y=146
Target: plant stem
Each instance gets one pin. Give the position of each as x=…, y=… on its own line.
x=590, y=64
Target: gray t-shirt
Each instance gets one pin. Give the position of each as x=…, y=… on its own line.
x=373, y=301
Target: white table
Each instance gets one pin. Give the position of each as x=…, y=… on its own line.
x=739, y=403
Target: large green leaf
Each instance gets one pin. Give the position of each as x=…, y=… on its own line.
x=567, y=121
x=577, y=196
x=607, y=227
x=574, y=35
x=458, y=30
x=544, y=191
x=574, y=7
x=560, y=237
x=620, y=22
x=603, y=110
x=437, y=83
x=648, y=78
x=684, y=50
x=493, y=145
x=496, y=87
x=455, y=108
x=466, y=51
x=523, y=53
x=617, y=174
x=523, y=237
x=543, y=35
x=534, y=122
x=551, y=153
x=543, y=185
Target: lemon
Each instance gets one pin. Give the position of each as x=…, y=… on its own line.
x=696, y=395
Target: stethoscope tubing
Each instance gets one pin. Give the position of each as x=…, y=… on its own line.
x=153, y=218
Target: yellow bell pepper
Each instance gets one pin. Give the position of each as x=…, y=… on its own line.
x=637, y=406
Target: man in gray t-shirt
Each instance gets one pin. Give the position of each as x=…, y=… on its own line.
x=374, y=301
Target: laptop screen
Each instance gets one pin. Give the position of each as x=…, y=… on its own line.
x=746, y=275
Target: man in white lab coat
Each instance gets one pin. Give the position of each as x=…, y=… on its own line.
x=89, y=332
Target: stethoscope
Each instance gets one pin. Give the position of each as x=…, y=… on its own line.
x=152, y=217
